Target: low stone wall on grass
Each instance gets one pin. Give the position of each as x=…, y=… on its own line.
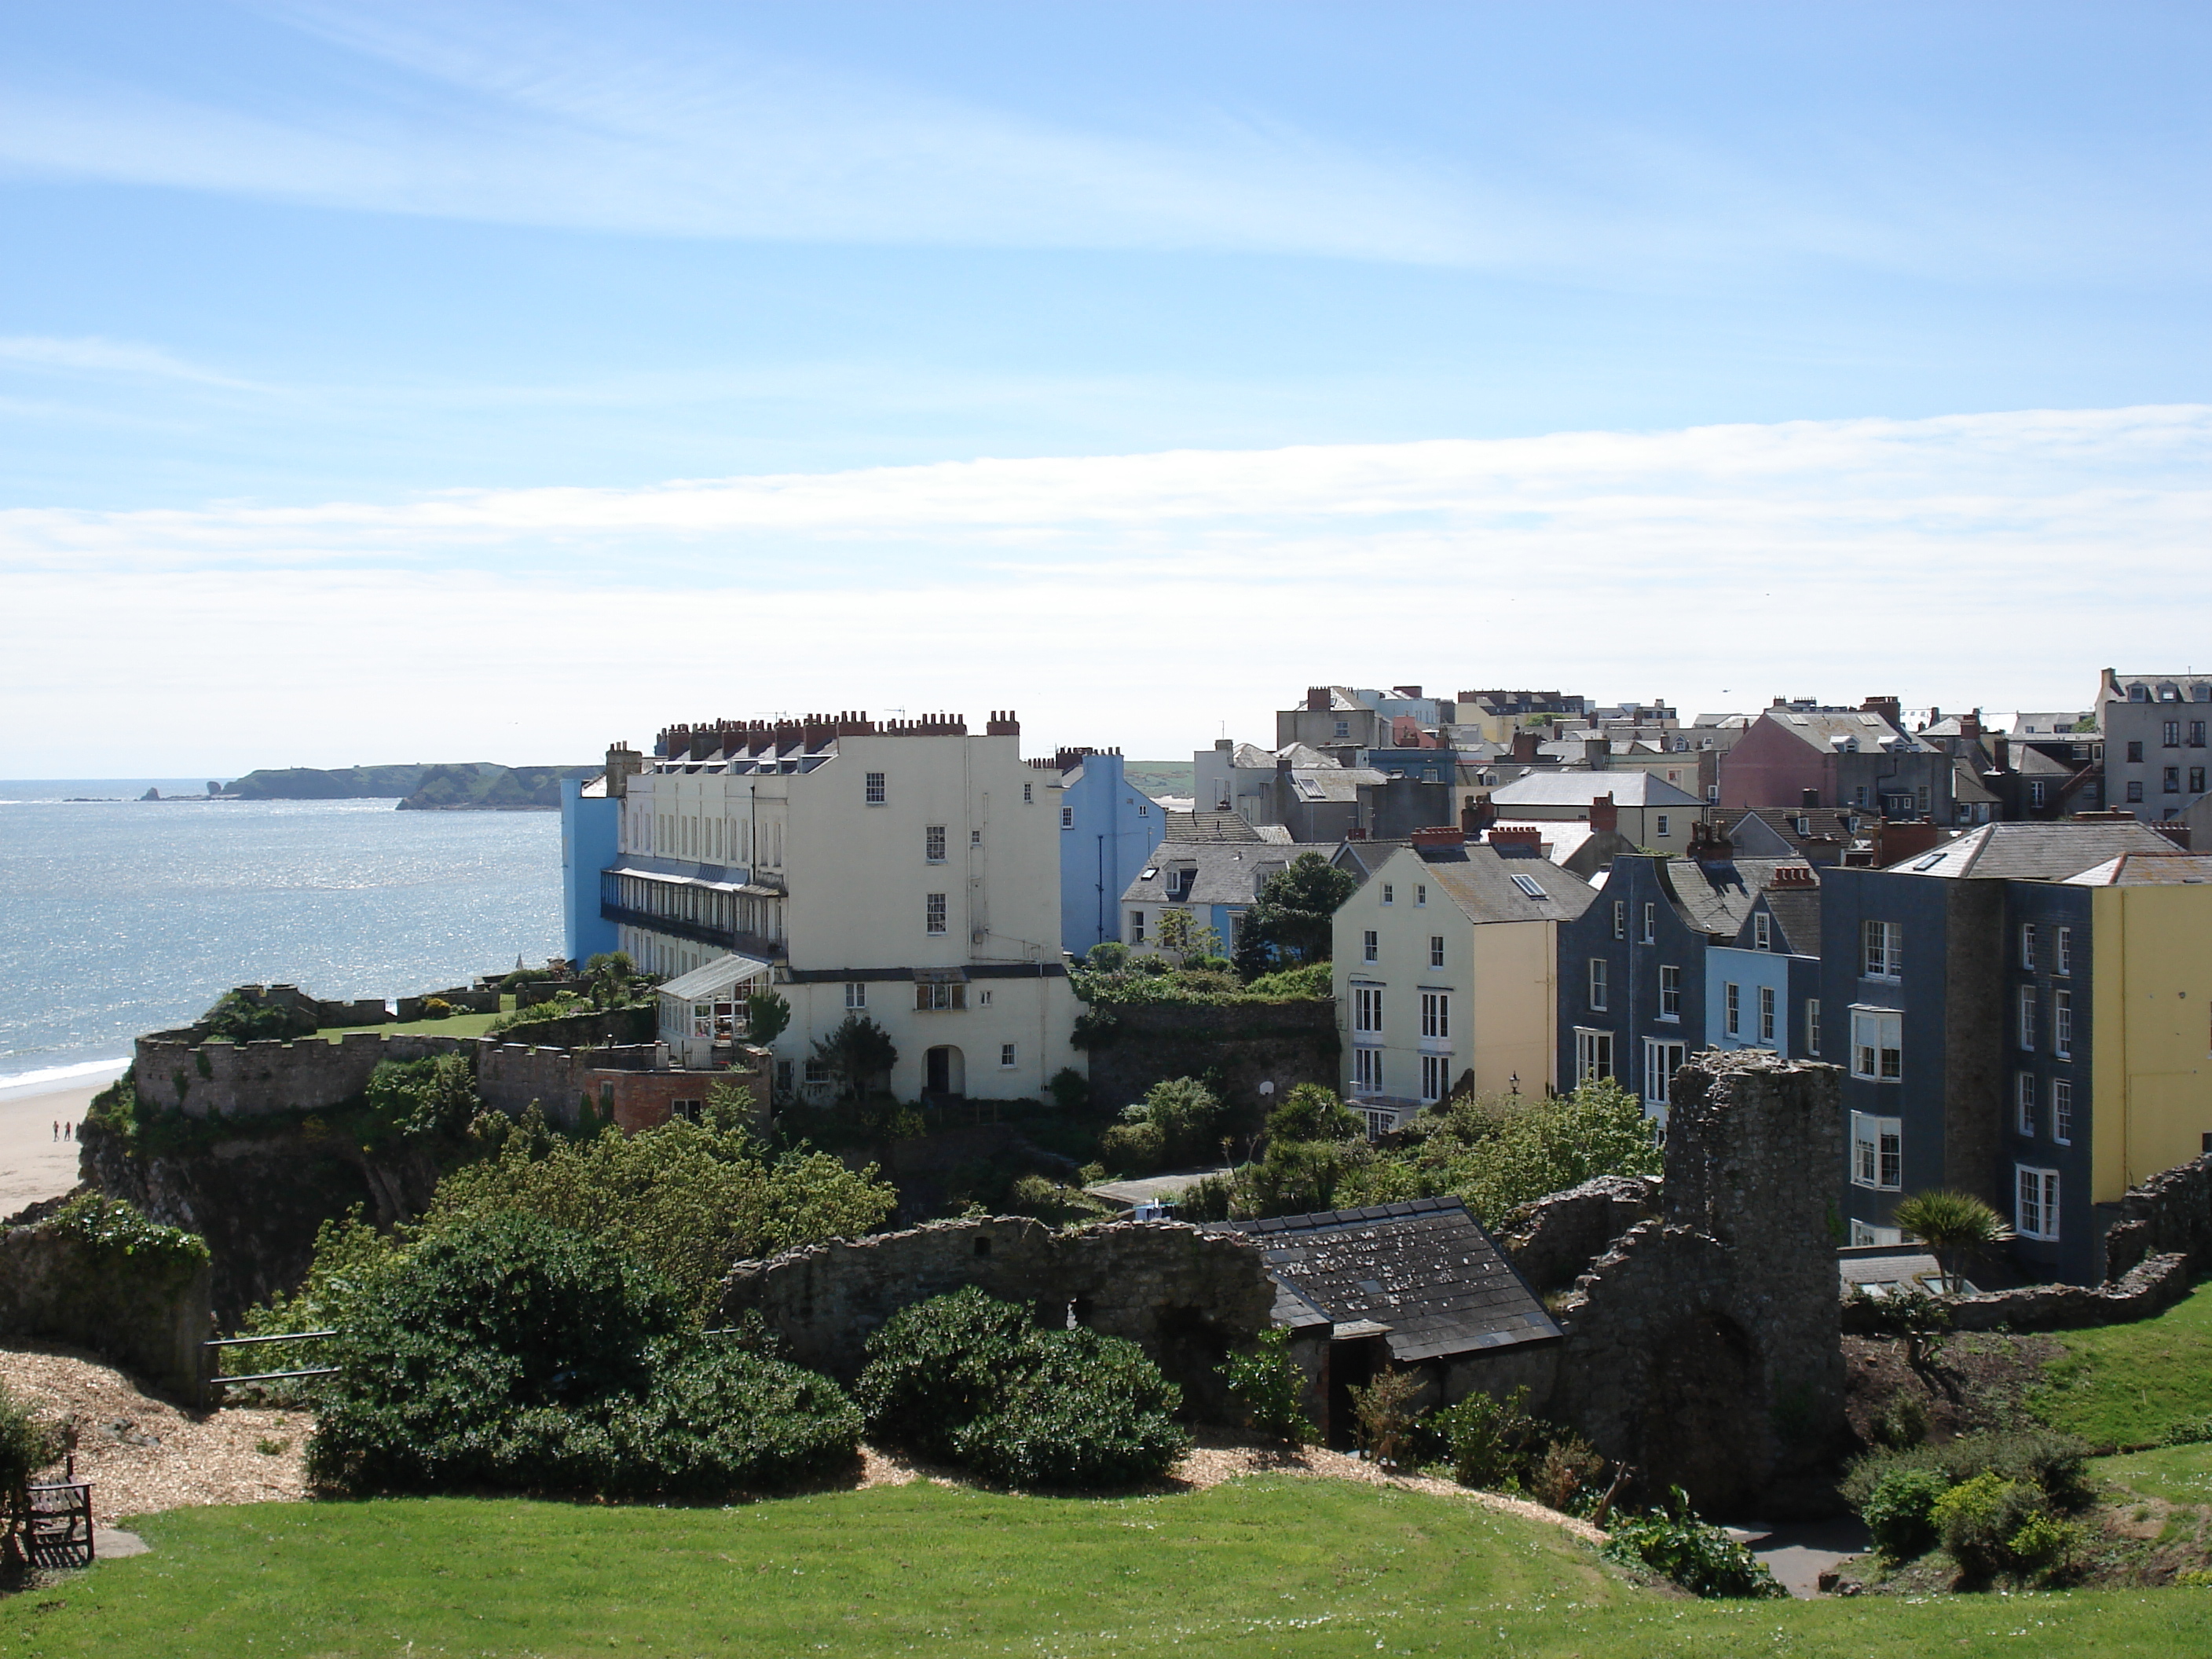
x=147, y=1310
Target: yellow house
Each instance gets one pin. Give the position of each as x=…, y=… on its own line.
x=2150, y=1016
x=1445, y=972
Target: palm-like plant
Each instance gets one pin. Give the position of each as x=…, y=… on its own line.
x=1955, y=1225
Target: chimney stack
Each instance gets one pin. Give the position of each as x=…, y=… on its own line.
x=1526, y=747
x=623, y=763
x=1605, y=816
x=1316, y=700
x=1478, y=815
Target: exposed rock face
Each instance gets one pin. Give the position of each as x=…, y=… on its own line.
x=1705, y=1348
x=1186, y=1297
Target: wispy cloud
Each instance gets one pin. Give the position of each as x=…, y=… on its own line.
x=92, y=355
x=1996, y=559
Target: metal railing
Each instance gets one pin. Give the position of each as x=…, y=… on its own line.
x=216, y=1380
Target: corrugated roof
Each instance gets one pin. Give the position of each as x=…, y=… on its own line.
x=1425, y=1271
x=716, y=976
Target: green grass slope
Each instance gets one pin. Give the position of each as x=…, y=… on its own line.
x=2132, y=1385
x=1274, y=1566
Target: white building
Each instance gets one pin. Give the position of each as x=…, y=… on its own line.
x=908, y=871
x=2156, y=750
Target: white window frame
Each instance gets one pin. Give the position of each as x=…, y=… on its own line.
x=2062, y=1024
x=1006, y=1057
x=1881, y=951
x=856, y=994
x=2035, y=1202
x=1732, y=1008
x=1436, y=949
x=1659, y=827
x=1878, y=1034
x=1621, y=918
x=1877, y=1152
x=2023, y=1103
x=877, y=793
x=1367, y=1010
x=936, y=918
x=1435, y=1015
x=1420, y=894
x=2062, y=953
x=1067, y=818
x=1367, y=1071
x=1389, y=894
x=1599, y=987
x=1136, y=927
x=933, y=843
x=1370, y=946
x=1762, y=931
x=1436, y=1078
x=1670, y=992
x=1662, y=1058
x=2062, y=1110
x=1650, y=935
x=1593, y=1055
x=2028, y=1006
x=1813, y=1026
x=1766, y=1013
x=2028, y=947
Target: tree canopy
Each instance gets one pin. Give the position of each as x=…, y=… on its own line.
x=1291, y=924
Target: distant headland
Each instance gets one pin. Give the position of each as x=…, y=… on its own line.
x=457, y=787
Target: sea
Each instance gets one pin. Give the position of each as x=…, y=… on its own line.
x=120, y=916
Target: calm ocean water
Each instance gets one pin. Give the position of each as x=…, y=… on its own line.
x=123, y=916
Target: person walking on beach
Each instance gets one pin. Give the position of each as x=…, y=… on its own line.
x=57, y=1128
x=68, y=1130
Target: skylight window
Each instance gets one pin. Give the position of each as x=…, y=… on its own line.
x=1528, y=884
x=1931, y=862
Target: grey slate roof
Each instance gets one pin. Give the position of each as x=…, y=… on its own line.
x=1479, y=879
x=1820, y=824
x=1628, y=787
x=1716, y=897
x=1796, y=912
x=1195, y=825
x=2133, y=870
x=1424, y=1269
x=2035, y=851
x=1224, y=872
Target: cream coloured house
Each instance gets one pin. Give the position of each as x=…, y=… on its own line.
x=908, y=871
x=1445, y=966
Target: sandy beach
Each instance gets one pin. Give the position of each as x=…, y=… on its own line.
x=32, y=1164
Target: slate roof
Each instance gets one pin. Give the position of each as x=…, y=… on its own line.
x=1821, y=824
x=1480, y=880
x=2134, y=870
x=1796, y=912
x=1827, y=731
x=1333, y=783
x=1715, y=897
x=1207, y=826
x=1224, y=873
x=1630, y=787
x=2035, y=852
x=1425, y=1270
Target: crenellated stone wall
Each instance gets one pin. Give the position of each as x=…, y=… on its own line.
x=1705, y=1348
x=1186, y=1295
x=1553, y=1239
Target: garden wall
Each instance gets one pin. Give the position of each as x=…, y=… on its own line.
x=2169, y=1214
x=147, y=1312
x=1244, y=1043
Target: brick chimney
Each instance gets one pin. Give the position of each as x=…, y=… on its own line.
x=1410, y=693
x=1522, y=840
x=623, y=763
x=1439, y=836
x=1794, y=875
x=1316, y=700
x=1893, y=843
x=1604, y=815
x=1970, y=726
x=1478, y=815
x=1526, y=747
x=1002, y=723
x=1888, y=708
x=1709, y=845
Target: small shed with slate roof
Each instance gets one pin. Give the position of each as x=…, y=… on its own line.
x=1418, y=1285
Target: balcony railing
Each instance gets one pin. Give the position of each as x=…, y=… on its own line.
x=728, y=938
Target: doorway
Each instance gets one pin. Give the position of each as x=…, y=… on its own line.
x=945, y=1072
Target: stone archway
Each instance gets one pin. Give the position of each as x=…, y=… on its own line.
x=1704, y=1417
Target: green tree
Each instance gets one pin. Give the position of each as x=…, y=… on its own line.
x=856, y=1053
x=1311, y=1112
x=1181, y=937
x=1291, y=923
x=436, y=1094
x=1956, y=1226
x=767, y=1017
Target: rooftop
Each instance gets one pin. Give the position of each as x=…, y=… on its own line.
x=1634, y=788
x=2036, y=852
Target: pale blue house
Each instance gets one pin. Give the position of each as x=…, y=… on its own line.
x=1763, y=990
x=590, y=825
x=1108, y=830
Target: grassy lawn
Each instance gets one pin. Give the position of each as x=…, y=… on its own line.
x=2127, y=1385
x=2179, y=1475
x=1272, y=1566
x=459, y=1025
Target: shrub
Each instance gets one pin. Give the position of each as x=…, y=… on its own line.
x=1899, y=1511
x=1070, y=1089
x=1568, y=1469
x=1979, y=1519
x=972, y=1380
x=430, y=1097
x=1702, y=1559
x=1048, y=1200
x=1310, y=1112
x=1270, y=1387
x=1492, y=1442
x=564, y=1006
x=511, y=1354
x=1383, y=1413
x=437, y=1008
x=27, y=1441
x=1288, y=983
x=2055, y=1463
x=1135, y=1149
x=1909, y=1314
x=237, y=1017
x=1187, y=1113
x=115, y=1226
x=1903, y=1422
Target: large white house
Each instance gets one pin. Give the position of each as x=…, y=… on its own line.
x=906, y=870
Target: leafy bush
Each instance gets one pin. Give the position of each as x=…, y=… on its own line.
x=2189, y=1431
x=1135, y=1149
x=511, y=1354
x=1982, y=1521
x=27, y=1441
x=1566, y=1473
x=1493, y=1443
x=687, y=1197
x=1310, y=1112
x=1382, y=1414
x=237, y=1017
x=2057, y=1464
x=1289, y=984
x=1702, y=1559
x=1291, y=922
x=1899, y=1511
x=1270, y=1387
x=112, y=1225
x=1070, y=1089
x=437, y=1008
x=972, y=1380
x=767, y=1017
x=564, y=1005
x=1048, y=1200
x=434, y=1096
x=1909, y=1314
x=1177, y=1122
x=1902, y=1422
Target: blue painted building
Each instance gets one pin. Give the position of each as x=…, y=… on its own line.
x=591, y=826
x=1109, y=829
x=1763, y=990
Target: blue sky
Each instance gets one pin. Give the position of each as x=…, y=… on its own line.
x=367, y=370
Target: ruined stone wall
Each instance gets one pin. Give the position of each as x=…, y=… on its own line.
x=1186, y=1297
x=2150, y=1287
x=1284, y=1043
x=1705, y=1348
x=147, y=1312
x=1553, y=1239
x=2169, y=1214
